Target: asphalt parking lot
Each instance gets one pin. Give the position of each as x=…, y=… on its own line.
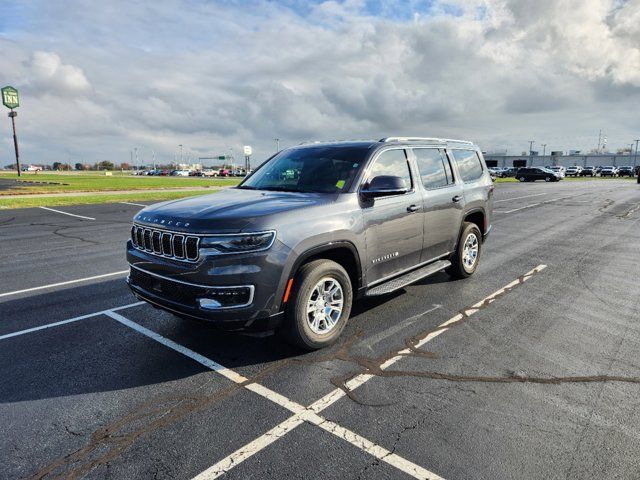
x=529, y=369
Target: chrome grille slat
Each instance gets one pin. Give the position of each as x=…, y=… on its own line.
x=166, y=244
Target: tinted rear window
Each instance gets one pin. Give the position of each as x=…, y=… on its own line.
x=434, y=168
x=469, y=164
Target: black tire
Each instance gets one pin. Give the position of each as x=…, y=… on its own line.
x=458, y=268
x=547, y=179
x=296, y=327
x=522, y=179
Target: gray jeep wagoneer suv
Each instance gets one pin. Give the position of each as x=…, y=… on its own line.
x=313, y=228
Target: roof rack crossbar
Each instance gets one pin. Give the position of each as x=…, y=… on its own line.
x=423, y=139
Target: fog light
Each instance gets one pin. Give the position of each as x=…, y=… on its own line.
x=218, y=298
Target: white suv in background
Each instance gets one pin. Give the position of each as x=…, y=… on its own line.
x=560, y=171
x=573, y=171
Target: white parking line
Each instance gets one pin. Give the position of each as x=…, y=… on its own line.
x=521, y=208
x=540, y=203
x=67, y=213
x=69, y=320
x=361, y=379
x=301, y=414
x=518, y=198
x=135, y=204
x=60, y=284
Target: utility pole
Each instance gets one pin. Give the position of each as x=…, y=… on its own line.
x=544, y=149
x=181, y=161
x=599, y=139
x=277, y=144
x=135, y=149
x=531, y=142
x=635, y=159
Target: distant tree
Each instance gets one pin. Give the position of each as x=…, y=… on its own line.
x=56, y=165
x=105, y=165
x=79, y=166
x=10, y=166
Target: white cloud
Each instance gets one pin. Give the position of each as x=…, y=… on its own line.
x=99, y=79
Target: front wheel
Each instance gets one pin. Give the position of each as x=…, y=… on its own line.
x=547, y=179
x=320, y=305
x=522, y=179
x=464, y=261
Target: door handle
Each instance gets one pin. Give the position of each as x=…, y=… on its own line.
x=456, y=199
x=413, y=208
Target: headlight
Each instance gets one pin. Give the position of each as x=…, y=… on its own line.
x=252, y=242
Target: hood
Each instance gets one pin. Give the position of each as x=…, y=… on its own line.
x=228, y=211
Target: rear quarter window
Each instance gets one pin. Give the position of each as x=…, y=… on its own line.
x=469, y=165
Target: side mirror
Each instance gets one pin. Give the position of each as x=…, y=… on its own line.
x=384, y=185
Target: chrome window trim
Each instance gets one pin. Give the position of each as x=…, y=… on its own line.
x=251, y=288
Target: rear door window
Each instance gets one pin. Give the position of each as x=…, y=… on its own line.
x=469, y=165
x=434, y=168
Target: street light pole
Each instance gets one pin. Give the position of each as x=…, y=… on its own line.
x=635, y=159
x=531, y=142
x=277, y=144
x=544, y=150
x=13, y=116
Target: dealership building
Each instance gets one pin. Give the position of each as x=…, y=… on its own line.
x=556, y=158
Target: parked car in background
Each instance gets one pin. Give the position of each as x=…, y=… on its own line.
x=531, y=174
x=573, y=171
x=588, y=172
x=224, y=172
x=209, y=172
x=494, y=172
x=180, y=173
x=510, y=171
x=626, y=171
x=609, y=171
x=558, y=169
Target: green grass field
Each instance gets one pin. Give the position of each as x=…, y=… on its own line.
x=142, y=196
x=94, y=182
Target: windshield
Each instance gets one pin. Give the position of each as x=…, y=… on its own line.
x=323, y=169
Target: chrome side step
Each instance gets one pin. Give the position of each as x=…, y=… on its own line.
x=407, y=278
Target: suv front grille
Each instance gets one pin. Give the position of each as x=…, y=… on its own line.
x=165, y=244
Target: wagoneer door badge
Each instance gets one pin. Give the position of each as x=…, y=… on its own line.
x=384, y=258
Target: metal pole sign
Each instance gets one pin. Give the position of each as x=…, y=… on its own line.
x=11, y=100
x=247, y=158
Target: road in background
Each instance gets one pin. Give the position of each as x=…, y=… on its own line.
x=541, y=382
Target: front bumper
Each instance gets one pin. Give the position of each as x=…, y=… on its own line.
x=197, y=290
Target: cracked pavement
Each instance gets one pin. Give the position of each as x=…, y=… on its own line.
x=542, y=381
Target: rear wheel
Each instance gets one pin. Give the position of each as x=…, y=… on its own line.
x=320, y=305
x=547, y=179
x=464, y=261
x=522, y=179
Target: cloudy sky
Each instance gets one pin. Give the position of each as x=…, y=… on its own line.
x=100, y=78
